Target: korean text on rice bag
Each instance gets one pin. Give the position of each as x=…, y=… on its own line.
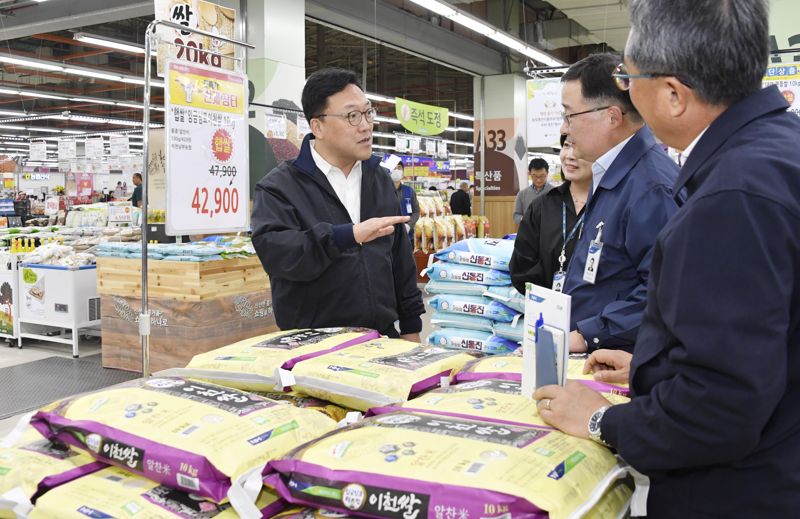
x=334, y=412
x=30, y=463
x=455, y=272
x=474, y=305
x=460, y=339
x=482, y=252
x=435, y=286
x=508, y=296
x=251, y=364
x=375, y=373
x=114, y=492
x=467, y=322
x=188, y=435
x=414, y=464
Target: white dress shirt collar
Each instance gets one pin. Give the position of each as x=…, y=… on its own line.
x=601, y=165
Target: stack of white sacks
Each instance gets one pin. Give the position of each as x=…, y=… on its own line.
x=474, y=305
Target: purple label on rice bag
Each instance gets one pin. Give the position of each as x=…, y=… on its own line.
x=51, y=482
x=501, y=434
x=225, y=399
x=299, y=338
x=417, y=358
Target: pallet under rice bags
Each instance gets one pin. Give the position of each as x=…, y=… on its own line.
x=423, y=465
x=114, y=492
x=29, y=463
x=188, y=435
x=376, y=373
x=251, y=364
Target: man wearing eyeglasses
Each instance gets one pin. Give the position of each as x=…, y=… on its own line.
x=327, y=225
x=629, y=203
x=714, y=419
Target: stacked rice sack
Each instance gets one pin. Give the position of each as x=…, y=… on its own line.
x=434, y=233
x=474, y=305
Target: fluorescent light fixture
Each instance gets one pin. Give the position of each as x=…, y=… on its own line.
x=9, y=92
x=382, y=119
x=92, y=73
x=374, y=134
x=11, y=127
x=13, y=113
x=73, y=132
x=94, y=100
x=29, y=63
x=378, y=97
x=473, y=24
x=541, y=57
x=462, y=116
x=132, y=105
x=43, y=96
x=460, y=129
x=436, y=6
x=508, y=41
x=45, y=130
x=111, y=43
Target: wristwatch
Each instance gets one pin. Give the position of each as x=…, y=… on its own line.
x=594, y=426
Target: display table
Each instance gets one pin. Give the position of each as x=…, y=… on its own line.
x=56, y=302
x=194, y=307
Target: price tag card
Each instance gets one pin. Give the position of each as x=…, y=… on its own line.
x=119, y=145
x=38, y=150
x=208, y=182
x=94, y=148
x=67, y=149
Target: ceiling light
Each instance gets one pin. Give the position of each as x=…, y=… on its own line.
x=13, y=113
x=508, y=41
x=378, y=97
x=471, y=23
x=73, y=132
x=131, y=105
x=93, y=74
x=11, y=127
x=541, y=57
x=30, y=63
x=462, y=116
x=111, y=43
x=8, y=91
x=382, y=119
x=45, y=130
x=436, y=6
x=43, y=96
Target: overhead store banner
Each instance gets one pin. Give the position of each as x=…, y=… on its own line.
x=544, y=112
x=787, y=79
x=206, y=150
x=420, y=118
x=192, y=47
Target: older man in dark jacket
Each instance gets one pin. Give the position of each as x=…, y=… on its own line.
x=327, y=225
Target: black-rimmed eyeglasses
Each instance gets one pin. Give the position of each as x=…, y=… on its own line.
x=354, y=117
x=623, y=79
x=568, y=117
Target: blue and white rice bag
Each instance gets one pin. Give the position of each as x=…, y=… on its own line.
x=508, y=296
x=473, y=305
x=454, y=272
x=467, y=322
x=473, y=340
x=435, y=286
x=511, y=331
x=481, y=252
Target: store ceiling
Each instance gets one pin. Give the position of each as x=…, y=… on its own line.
x=568, y=29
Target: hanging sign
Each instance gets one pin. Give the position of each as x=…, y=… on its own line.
x=38, y=151
x=544, y=113
x=67, y=149
x=276, y=126
x=192, y=47
x=119, y=145
x=206, y=150
x=420, y=118
x=303, y=128
x=94, y=148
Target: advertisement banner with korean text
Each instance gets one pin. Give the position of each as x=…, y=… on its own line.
x=206, y=150
x=421, y=119
x=544, y=112
x=787, y=79
x=192, y=47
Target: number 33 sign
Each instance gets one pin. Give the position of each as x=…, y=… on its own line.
x=207, y=154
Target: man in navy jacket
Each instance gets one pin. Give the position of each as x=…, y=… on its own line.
x=326, y=225
x=631, y=199
x=714, y=420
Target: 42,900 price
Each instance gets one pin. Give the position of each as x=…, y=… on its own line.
x=225, y=200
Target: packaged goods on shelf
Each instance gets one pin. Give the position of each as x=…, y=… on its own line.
x=472, y=340
x=252, y=364
x=185, y=434
x=375, y=373
x=112, y=492
x=455, y=272
x=482, y=252
x=55, y=254
x=29, y=463
x=474, y=305
x=433, y=462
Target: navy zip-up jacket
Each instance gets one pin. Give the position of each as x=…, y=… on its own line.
x=320, y=277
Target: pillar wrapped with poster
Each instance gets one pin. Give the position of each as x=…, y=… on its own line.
x=506, y=155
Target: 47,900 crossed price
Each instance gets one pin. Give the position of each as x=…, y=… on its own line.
x=226, y=200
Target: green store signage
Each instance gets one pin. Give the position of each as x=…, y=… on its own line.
x=421, y=119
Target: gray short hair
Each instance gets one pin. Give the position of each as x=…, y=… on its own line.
x=719, y=48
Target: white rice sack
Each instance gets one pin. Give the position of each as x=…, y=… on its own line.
x=508, y=296
x=472, y=340
x=435, y=286
x=482, y=252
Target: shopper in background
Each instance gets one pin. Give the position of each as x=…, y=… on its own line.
x=409, y=206
x=714, y=421
x=538, y=170
x=136, y=198
x=630, y=202
x=327, y=225
x=459, y=201
x=552, y=226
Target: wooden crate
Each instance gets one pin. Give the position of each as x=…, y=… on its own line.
x=180, y=329
x=180, y=280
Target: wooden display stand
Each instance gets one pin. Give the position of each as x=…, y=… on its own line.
x=500, y=211
x=194, y=307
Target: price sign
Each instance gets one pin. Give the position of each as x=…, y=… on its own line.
x=119, y=144
x=120, y=212
x=67, y=149
x=51, y=205
x=94, y=148
x=38, y=150
x=206, y=150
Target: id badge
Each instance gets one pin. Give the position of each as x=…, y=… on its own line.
x=592, y=262
x=409, y=209
x=558, y=281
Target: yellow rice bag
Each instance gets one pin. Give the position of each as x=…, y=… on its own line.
x=114, y=492
x=252, y=364
x=376, y=373
x=413, y=464
x=296, y=399
x=30, y=463
x=189, y=435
